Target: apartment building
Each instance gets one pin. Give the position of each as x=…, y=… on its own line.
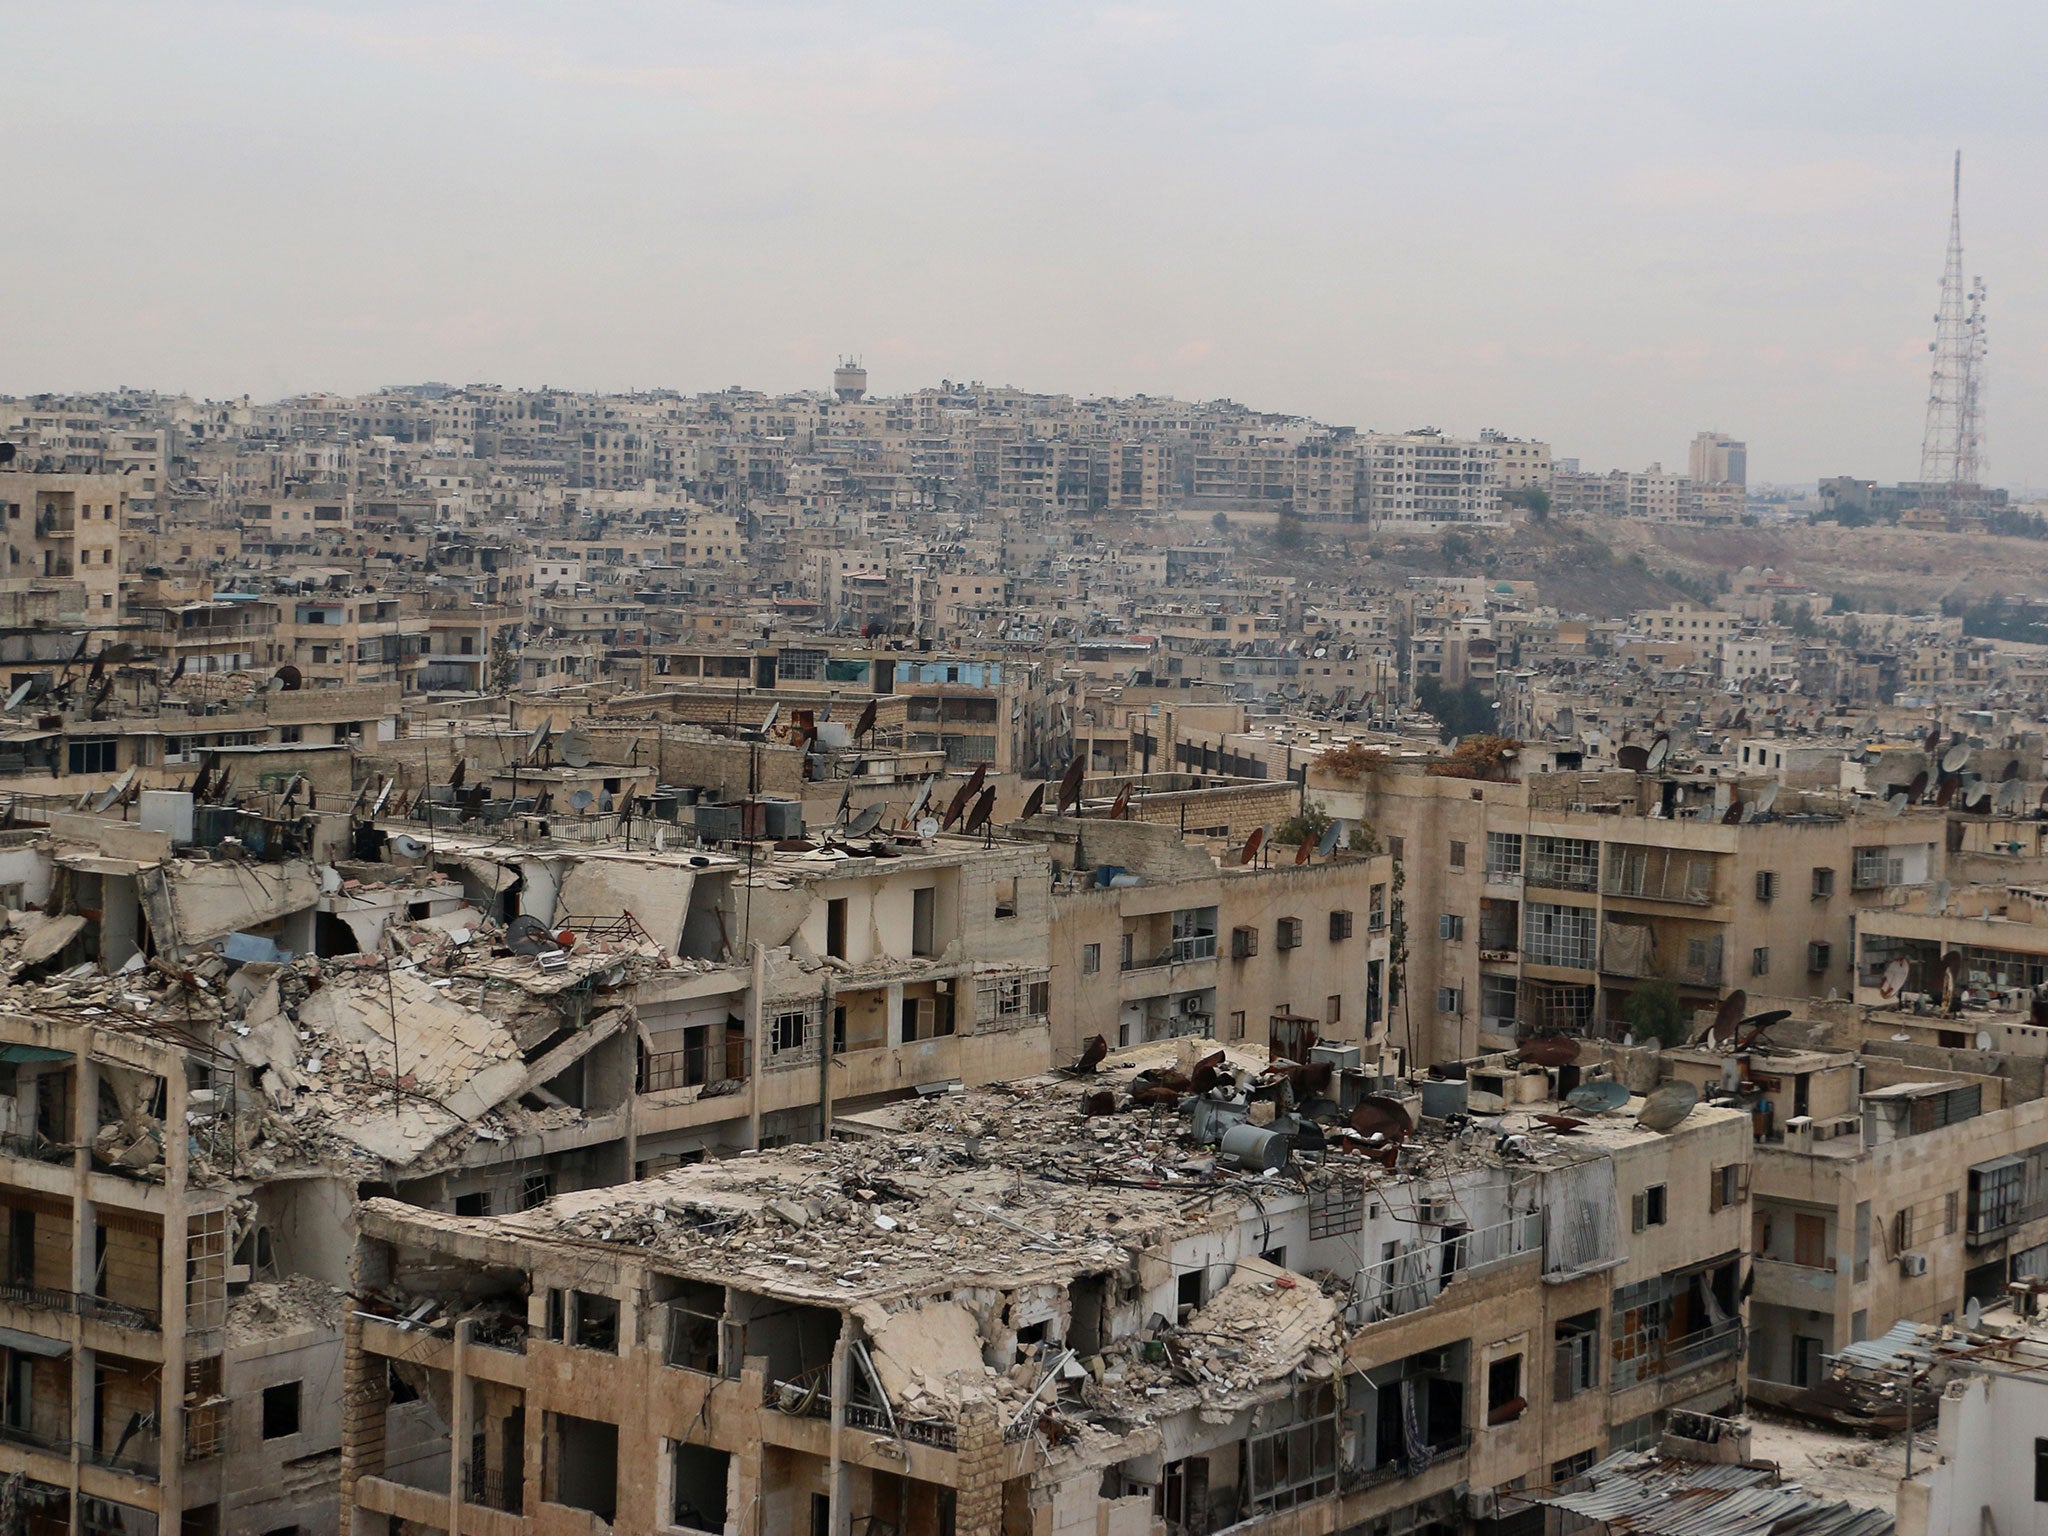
x=68, y=527
x=978, y=1314
x=1717, y=458
x=1894, y=1181
x=1545, y=902
x=1154, y=939
x=1425, y=478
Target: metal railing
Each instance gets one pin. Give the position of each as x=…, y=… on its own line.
x=50, y=1299
x=1397, y=1467
x=1410, y=1281
x=1670, y=1356
x=494, y=1490
x=1195, y=946
x=40, y=1148
x=939, y=1433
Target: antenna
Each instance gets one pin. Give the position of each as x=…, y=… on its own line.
x=1952, y=447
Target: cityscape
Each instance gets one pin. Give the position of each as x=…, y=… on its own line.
x=920, y=957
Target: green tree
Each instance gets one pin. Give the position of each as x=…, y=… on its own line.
x=1654, y=1012
x=1287, y=532
x=1455, y=548
x=1310, y=822
x=1220, y=522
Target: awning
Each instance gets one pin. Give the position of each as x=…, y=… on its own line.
x=33, y=1344
x=27, y=1055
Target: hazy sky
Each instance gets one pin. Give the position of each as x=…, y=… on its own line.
x=1607, y=225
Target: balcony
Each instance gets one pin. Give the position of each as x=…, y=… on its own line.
x=494, y=1490
x=1410, y=1281
x=1671, y=1357
x=1195, y=946
x=38, y=1148
x=48, y=1299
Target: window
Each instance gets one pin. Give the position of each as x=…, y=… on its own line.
x=835, y=928
x=1950, y=1205
x=1376, y=909
x=478, y=1204
x=1457, y=854
x=1244, y=942
x=1503, y=855
x=1287, y=933
x=1006, y=897
x=1570, y=863
x=1340, y=926
x=281, y=1410
x=1556, y=935
x=1766, y=884
x=1397, y=847
x=1237, y=1024
x=1577, y=1341
x=1818, y=957
x=1647, y=1209
x=1727, y=1186
x=538, y=1189
x=2041, y=1471
x=789, y=1033
x=1499, y=1000
x=1450, y=925
x=1823, y=882
x=1873, y=867
x=1091, y=959
x=1504, y=1401
x=1450, y=1000
x=93, y=754
x=1760, y=960
x=923, y=901
x=1333, y=1008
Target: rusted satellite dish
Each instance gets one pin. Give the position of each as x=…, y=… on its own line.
x=1633, y=759
x=1666, y=1109
x=1549, y=1050
x=1564, y=1125
x=1378, y=1115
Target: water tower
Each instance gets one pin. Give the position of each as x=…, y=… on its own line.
x=849, y=381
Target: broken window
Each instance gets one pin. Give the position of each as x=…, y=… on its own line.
x=699, y=1474
x=1504, y=1400
x=583, y=1464
x=696, y=1316
x=792, y=1038
x=1577, y=1355
x=1292, y=1452
x=281, y=1410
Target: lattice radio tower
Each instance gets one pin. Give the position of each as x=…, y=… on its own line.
x=1952, y=450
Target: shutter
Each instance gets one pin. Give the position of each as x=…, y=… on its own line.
x=1639, y=1211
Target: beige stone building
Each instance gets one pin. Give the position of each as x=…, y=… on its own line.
x=67, y=527
x=984, y=1315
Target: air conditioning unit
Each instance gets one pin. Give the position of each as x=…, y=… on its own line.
x=1435, y=1213
x=1191, y=1004
x=1912, y=1265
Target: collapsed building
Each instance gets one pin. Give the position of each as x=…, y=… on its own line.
x=1210, y=1290
x=211, y=1048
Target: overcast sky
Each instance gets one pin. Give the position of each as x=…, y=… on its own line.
x=1606, y=225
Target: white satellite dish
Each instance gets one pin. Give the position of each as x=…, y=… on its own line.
x=1973, y=1314
x=407, y=847
x=582, y=800
x=575, y=750
x=1768, y=798
x=1983, y=1039
x=928, y=828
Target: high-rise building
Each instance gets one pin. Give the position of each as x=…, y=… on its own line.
x=1719, y=459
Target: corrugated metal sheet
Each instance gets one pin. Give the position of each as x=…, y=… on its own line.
x=1645, y=1495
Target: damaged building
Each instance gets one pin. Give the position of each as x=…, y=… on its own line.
x=211, y=1050
x=1202, y=1291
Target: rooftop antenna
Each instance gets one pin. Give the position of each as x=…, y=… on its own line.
x=1952, y=447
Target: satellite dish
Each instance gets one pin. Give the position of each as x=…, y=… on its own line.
x=1632, y=759
x=1918, y=787
x=1327, y=844
x=528, y=935
x=1666, y=1109
x=604, y=803
x=407, y=847
x=924, y=795
x=1034, y=803
x=1600, y=1096
x=1381, y=1115
x=1728, y=1015
x=1252, y=845
x=1956, y=758
x=1660, y=749
x=1984, y=1040
x=1894, y=979
x=1768, y=798
x=536, y=741
x=928, y=828
x=576, y=750
x=1973, y=1314
x=1895, y=803
x=582, y=800
x=774, y=714
x=289, y=678
x=1549, y=1050
x=14, y=699
x=2011, y=771
x=1724, y=797
x=866, y=820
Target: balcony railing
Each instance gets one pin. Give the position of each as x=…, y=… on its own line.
x=49, y=1299
x=1669, y=1357
x=1396, y=1467
x=1410, y=1281
x=40, y=1148
x=1195, y=946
